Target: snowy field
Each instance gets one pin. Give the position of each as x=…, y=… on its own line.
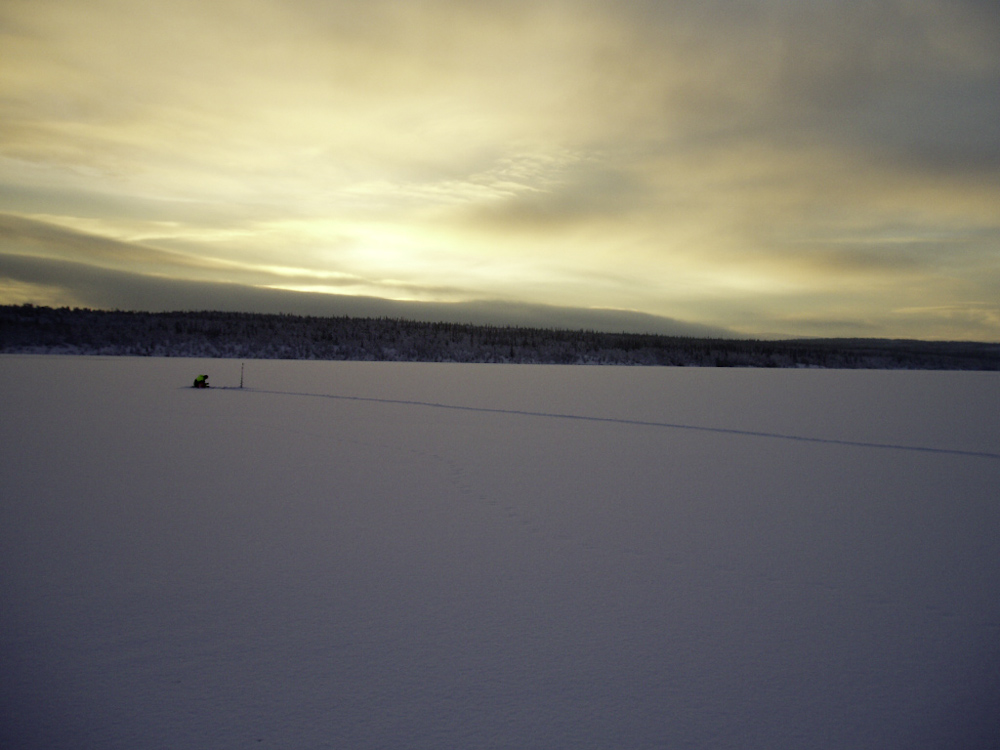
x=373, y=555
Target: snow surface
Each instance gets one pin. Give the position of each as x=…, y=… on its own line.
x=376, y=555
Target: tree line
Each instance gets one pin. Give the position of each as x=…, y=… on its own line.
x=46, y=330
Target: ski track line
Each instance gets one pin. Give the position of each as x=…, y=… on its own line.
x=636, y=422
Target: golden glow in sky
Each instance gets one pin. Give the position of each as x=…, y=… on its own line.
x=766, y=167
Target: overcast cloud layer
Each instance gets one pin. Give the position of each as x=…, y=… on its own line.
x=769, y=167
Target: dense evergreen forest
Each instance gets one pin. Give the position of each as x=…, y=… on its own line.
x=44, y=330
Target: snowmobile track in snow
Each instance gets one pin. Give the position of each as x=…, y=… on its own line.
x=639, y=423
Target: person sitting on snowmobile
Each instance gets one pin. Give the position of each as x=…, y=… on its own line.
x=201, y=381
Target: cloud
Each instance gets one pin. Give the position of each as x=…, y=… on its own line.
x=43, y=280
x=44, y=238
x=684, y=158
x=31, y=238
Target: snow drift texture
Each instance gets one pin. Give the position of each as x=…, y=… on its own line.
x=375, y=555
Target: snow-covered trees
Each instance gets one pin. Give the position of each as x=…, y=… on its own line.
x=256, y=336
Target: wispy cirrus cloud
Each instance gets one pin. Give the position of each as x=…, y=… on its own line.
x=764, y=166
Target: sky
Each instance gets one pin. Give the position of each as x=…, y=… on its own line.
x=748, y=168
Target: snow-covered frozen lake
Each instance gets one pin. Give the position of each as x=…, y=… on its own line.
x=373, y=555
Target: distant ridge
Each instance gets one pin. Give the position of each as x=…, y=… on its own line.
x=44, y=330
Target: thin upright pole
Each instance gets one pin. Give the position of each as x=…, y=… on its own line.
x=241, y=374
